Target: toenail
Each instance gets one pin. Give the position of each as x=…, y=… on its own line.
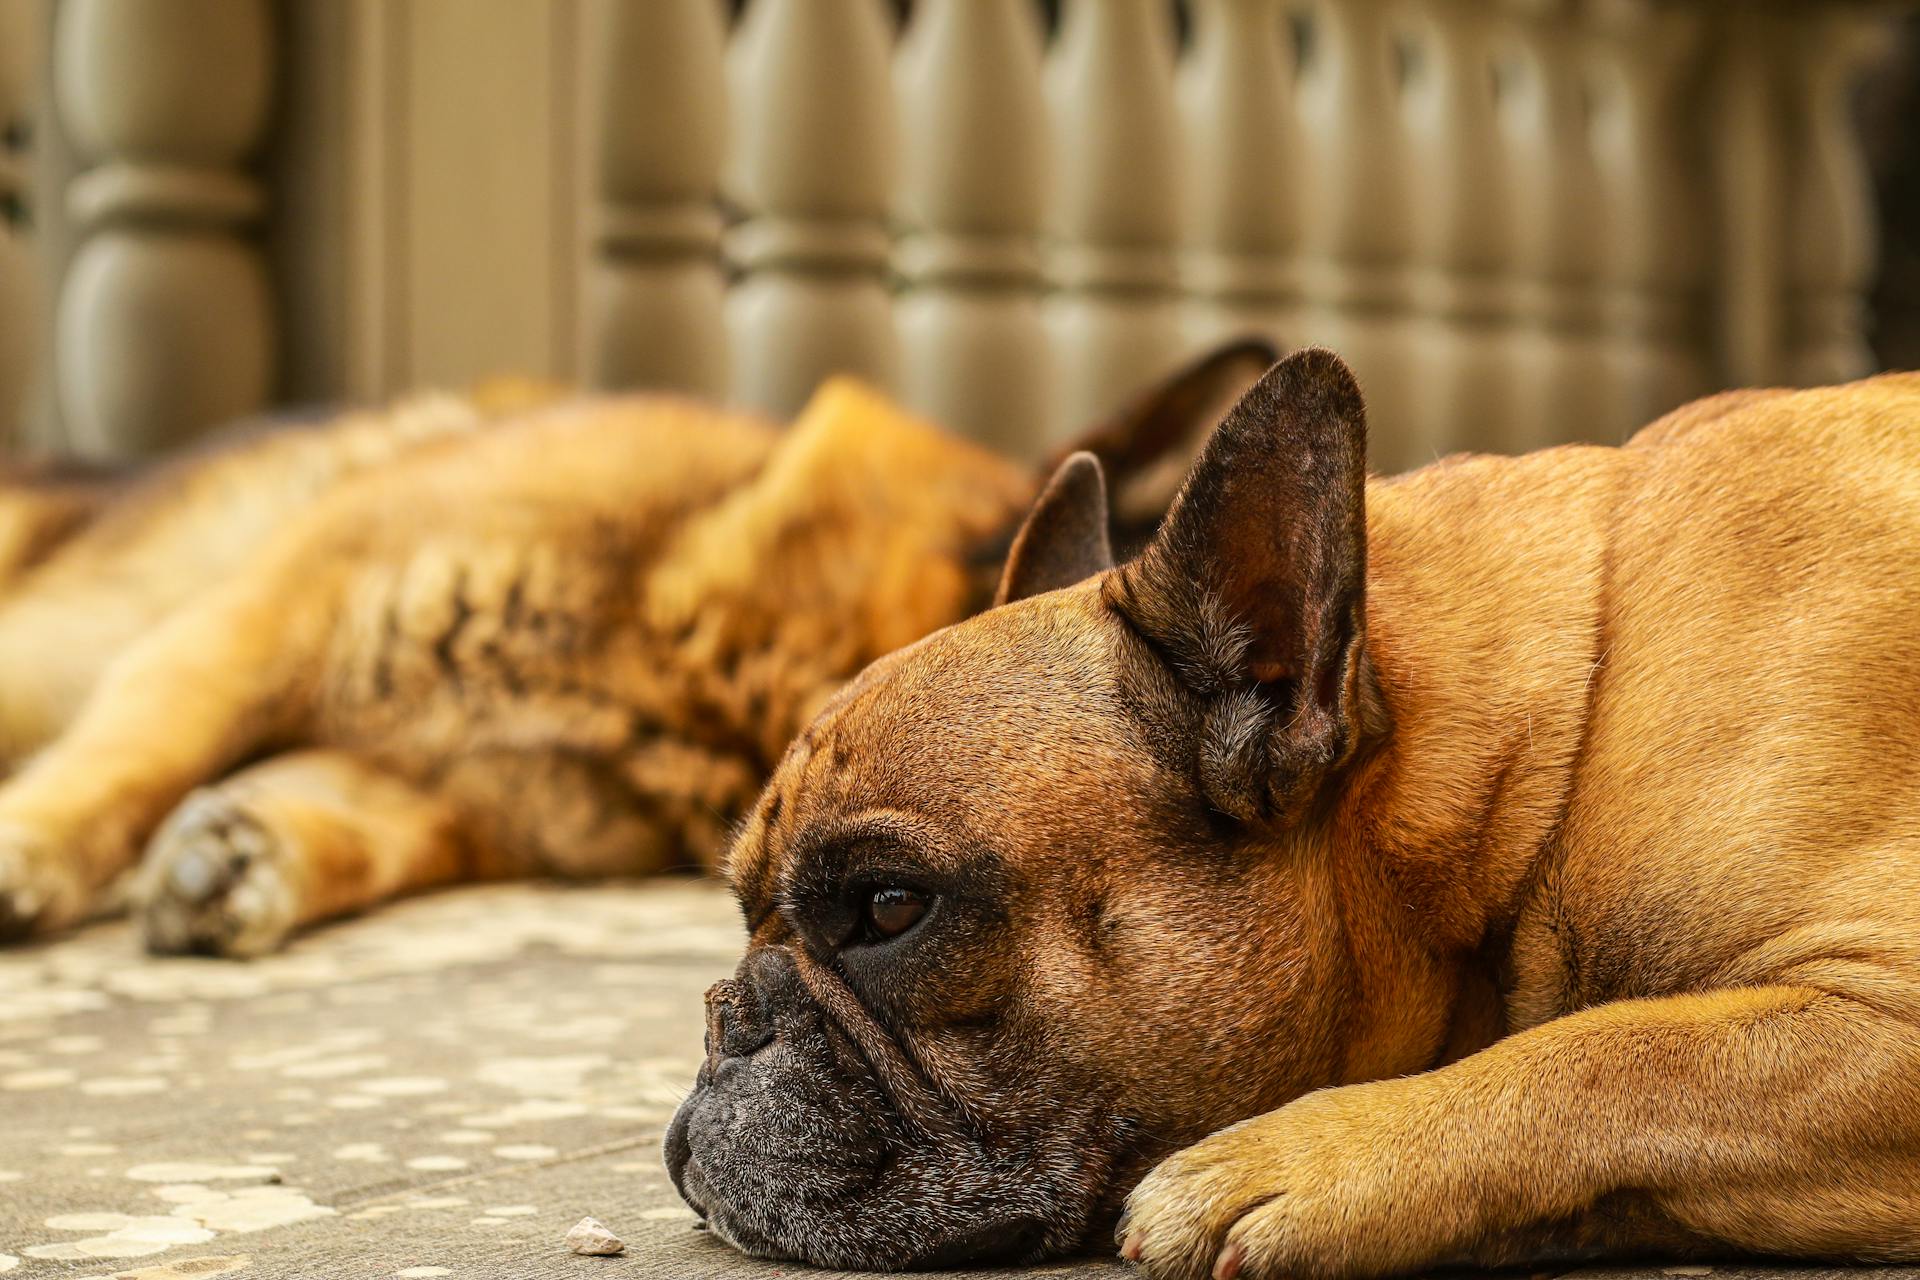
x=1135, y=1245
x=1227, y=1265
x=247, y=840
x=189, y=877
x=246, y=903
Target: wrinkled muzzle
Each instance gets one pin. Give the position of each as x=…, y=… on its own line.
x=810, y=1135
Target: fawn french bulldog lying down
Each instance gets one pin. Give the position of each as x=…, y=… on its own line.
x=1514, y=860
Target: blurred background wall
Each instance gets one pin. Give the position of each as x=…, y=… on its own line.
x=1525, y=221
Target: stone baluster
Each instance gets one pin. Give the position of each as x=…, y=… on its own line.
x=1653, y=286
x=19, y=284
x=1830, y=232
x=1463, y=187
x=165, y=322
x=1243, y=152
x=812, y=169
x=1749, y=185
x=1559, y=234
x=1357, y=229
x=1115, y=207
x=655, y=291
x=973, y=345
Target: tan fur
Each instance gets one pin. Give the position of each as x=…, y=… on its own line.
x=493, y=640
x=302, y=836
x=504, y=633
x=1605, y=939
x=1657, y=718
x=105, y=575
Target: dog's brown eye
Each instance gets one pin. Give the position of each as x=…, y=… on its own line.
x=892, y=911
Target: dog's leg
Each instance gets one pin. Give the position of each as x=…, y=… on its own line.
x=1775, y=1120
x=296, y=839
x=206, y=688
x=314, y=834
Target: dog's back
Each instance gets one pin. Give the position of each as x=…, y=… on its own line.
x=1755, y=707
x=1688, y=667
x=1688, y=671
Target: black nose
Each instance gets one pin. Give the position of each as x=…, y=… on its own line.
x=734, y=1028
x=741, y=1011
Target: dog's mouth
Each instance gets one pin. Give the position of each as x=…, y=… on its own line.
x=905, y=1210
x=813, y=1147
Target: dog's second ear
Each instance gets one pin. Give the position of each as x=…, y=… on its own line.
x=1147, y=444
x=1064, y=539
x=1254, y=589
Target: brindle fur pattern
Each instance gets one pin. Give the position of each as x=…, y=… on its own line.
x=309, y=668
x=444, y=646
x=1515, y=860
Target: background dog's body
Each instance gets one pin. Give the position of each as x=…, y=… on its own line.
x=455, y=642
x=1520, y=857
x=91, y=557
x=472, y=636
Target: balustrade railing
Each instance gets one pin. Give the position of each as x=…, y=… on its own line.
x=1524, y=221
x=165, y=321
x=19, y=274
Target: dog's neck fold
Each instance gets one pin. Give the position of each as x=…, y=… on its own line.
x=1486, y=641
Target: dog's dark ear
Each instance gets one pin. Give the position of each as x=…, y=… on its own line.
x=1255, y=587
x=1064, y=539
x=1148, y=444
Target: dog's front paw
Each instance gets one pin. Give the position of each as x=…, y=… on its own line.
x=1332, y=1185
x=216, y=881
x=37, y=893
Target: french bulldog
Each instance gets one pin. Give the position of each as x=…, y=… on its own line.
x=1514, y=860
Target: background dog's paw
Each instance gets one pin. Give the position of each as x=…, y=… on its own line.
x=36, y=893
x=216, y=881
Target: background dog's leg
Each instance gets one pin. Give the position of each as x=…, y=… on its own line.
x=296, y=839
x=210, y=686
x=1769, y=1120
x=313, y=834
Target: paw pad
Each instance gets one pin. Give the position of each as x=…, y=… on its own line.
x=214, y=882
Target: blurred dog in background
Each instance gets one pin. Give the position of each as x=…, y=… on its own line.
x=312, y=667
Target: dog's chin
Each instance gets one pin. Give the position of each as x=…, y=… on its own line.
x=859, y=1237
x=821, y=1172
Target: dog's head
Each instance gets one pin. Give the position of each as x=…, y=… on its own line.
x=1049, y=893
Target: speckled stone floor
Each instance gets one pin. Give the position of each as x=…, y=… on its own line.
x=440, y=1089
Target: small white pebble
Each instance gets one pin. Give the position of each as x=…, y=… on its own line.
x=591, y=1237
